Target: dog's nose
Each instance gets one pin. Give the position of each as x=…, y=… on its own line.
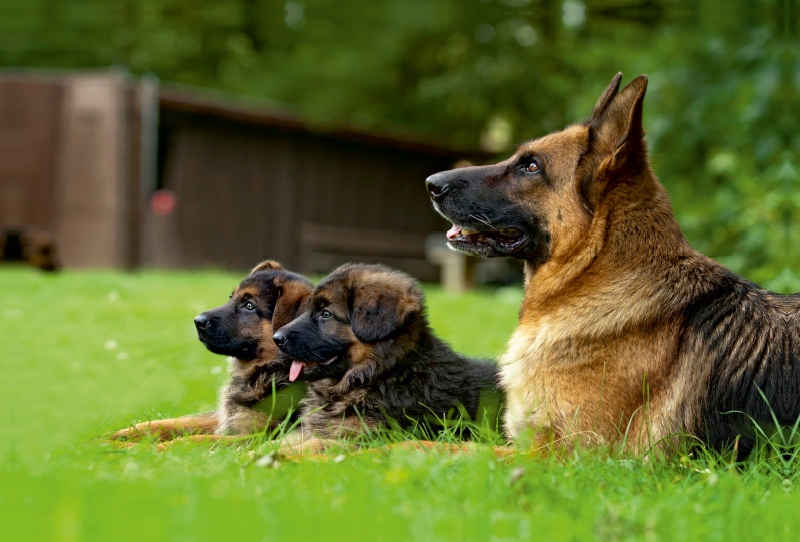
x=202, y=322
x=437, y=185
x=279, y=338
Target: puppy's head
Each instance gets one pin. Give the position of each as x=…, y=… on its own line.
x=243, y=327
x=351, y=314
x=539, y=203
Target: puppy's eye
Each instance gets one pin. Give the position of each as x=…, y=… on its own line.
x=249, y=306
x=326, y=314
x=532, y=167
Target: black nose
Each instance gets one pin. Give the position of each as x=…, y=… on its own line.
x=202, y=322
x=437, y=185
x=279, y=338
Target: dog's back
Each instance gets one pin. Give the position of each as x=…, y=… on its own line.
x=435, y=383
x=743, y=343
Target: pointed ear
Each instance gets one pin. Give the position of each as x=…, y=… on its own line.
x=266, y=264
x=381, y=308
x=292, y=296
x=606, y=97
x=618, y=131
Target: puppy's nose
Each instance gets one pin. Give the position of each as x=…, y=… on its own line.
x=279, y=338
x=202, y=322
x=437, y=185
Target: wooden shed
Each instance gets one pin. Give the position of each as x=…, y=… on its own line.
x=82, y=155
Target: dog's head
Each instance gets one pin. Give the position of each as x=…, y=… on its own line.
x=267, y=299
x=350, y=316
x=539, y=203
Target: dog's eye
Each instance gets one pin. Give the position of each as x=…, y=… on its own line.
x=532, y=167
x=326, y=314
x=249, y=306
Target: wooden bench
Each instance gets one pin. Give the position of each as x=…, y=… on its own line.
x=325, y=246
x=421, y=254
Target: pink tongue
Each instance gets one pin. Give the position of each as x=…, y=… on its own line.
x=295, y=370
x=453, y=232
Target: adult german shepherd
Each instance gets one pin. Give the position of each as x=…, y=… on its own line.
x=625, y=334
x=242, y=329
x=371, y=359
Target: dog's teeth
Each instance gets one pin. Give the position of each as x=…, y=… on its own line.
x=465, y=231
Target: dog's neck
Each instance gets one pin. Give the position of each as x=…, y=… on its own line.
x=644, y=235
x=390, y=359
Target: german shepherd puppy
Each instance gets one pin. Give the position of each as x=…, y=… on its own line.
x=365, y=346
x=242, y=329
x=625, y=333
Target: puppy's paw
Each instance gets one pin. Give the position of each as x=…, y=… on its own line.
x=168, y=429
x=297, y=443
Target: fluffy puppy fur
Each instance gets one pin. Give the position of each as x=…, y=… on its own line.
x=242, y=328
x=365, y=346
x=267, y=299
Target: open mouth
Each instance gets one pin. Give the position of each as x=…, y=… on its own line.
x=504, y=240
x=297, y=367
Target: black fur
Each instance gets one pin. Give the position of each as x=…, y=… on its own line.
x=751, y=339
x=483, y=198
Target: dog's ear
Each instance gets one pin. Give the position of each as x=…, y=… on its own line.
x=616, y=148
x=618, y=129
x=292, y=296
x=266, y=264
x=606, y=97
x=382, y=307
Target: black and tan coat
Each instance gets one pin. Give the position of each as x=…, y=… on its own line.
x=626, y=334
x=372, y=360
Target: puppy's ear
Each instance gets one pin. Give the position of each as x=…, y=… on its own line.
x=266, y=264
x=292, y=296
x=381, y=308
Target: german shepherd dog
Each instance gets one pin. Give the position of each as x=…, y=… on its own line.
x=372, y=360
x=625, y=333
x=242, y=328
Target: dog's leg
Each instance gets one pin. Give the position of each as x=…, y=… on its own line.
x=201, y=424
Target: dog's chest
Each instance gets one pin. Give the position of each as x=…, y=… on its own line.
x=523, y=373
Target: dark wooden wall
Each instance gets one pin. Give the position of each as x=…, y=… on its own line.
x=78, y=159
x=245, y=193
x=30, y=120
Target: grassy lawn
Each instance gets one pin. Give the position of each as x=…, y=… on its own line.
x=85, y=353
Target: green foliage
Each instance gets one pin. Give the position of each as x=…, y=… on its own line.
x=722, y=110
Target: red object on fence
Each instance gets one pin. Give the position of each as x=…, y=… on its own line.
x=163, y=202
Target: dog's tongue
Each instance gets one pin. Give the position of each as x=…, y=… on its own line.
x=295, y=370
x=454, y=232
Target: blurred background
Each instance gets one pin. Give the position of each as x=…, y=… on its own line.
x=185, y=134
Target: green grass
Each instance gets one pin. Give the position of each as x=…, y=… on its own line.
x=85, y=353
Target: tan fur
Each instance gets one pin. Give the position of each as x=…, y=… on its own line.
x=601, y=354
x=233, y=417
x=592, y=356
